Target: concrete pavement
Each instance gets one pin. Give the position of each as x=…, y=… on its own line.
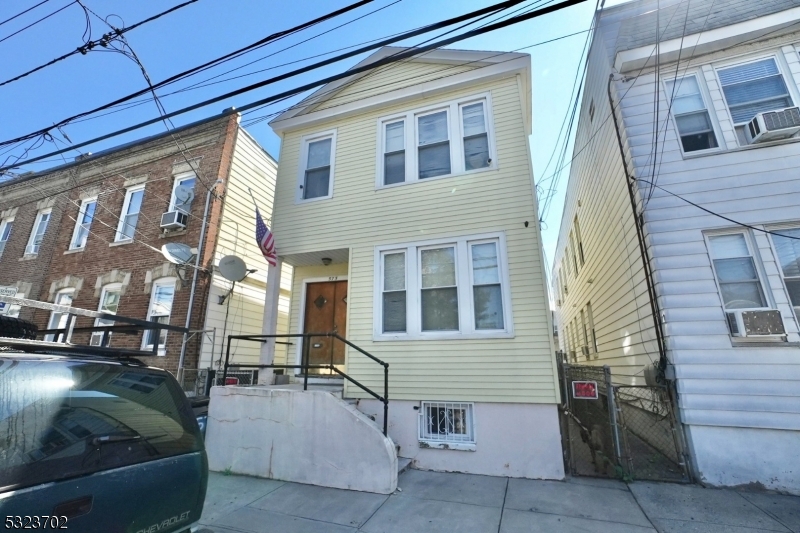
x=443, y=502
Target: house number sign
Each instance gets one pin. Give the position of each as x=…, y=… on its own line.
x=584, y=390
x=333, y=278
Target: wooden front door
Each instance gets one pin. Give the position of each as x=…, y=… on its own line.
x=325, y=312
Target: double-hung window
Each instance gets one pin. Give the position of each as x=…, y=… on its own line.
x=691, y=114
x=160, y=311
x=183, y=190
x=58, y=320
x=736, y=271
x=83, y=224
x=442, y=140
x=109, y=304
x=751, y=88
x=446, y=288
x=316, y=167
x=5, y=233
x=447, y=423
x=37, y=234
x=787, y=244
x=131, y=208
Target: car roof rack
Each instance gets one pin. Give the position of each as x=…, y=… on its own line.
x=60, y=345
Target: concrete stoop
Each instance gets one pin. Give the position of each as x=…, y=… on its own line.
x=286, y=433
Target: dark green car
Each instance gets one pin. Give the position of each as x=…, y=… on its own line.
x=96, y=444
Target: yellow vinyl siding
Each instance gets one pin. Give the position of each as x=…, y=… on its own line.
x=359, y=217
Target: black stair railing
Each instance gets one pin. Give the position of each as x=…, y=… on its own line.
x=306, y=365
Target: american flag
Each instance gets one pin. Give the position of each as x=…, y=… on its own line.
x=265, y=240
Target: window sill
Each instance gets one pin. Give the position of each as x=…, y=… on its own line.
x=28, y=257
x=301, y=201
x=439, y=445
x=74, y=250
x=443, y=336
x=718, y=151
x=491, y=168
x=777, y=341
x=120, y=243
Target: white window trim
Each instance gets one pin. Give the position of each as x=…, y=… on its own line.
x=464, y=286
x=119, y=237
x=160, y=282
x=301, y=172
x=3, y=225
x=36, y=222
x=712, y=116
x=455, y=129
x=52, y=336
x=178, y=179
x=460, y=445
x=106, y=289
x=78, y=220
x=777, y=229
x=752, y=249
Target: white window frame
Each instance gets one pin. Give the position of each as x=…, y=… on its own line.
x=301, y=174
x=752, y=250
x=178, y=179
x=701, y=84
x=78, y=223
x=464, y=285
x=777, y=229
x=455, y=129
x=36, y=223
x=120, y=237
x=467, y=442
x=99, y=321
x=160, y=282
x=53, y=314
x=3, y=226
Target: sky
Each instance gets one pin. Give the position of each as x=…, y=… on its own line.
x=208, y=29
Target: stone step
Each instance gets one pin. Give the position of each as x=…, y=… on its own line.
x=403, y=464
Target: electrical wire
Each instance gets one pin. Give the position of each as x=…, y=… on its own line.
x=23, y=12
x=37, y=21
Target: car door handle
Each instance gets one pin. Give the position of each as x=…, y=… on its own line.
x=74, y=508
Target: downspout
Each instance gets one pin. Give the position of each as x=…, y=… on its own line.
x=194, y=280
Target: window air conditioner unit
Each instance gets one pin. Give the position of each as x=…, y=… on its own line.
x=773, y=125
x=174, y=220
x=755, y=323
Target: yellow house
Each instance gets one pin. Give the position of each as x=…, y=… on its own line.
x=405, y=203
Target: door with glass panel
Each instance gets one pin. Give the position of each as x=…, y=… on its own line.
x=325, y=312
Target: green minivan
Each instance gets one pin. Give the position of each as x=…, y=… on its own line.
x=96, y=444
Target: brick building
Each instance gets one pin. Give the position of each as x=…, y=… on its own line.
x=89, y=233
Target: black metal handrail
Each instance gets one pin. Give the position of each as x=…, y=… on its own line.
x=305, y=366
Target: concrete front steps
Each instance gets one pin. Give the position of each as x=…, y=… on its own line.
x=313, y=436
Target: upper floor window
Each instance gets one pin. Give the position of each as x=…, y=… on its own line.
x=581, y=256
x=752, y=88
x=131, y=208
x=183, y=192
x=691, y=114
x=316, y=166
x=452, y=287
x=159, y=311
x=109, y=303
x=788, y=249
x=83, y=224
x=5, y=233
x=736, y=271
x=38, y=231
x=446, y=139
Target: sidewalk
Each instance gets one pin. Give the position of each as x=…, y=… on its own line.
x=447, y=503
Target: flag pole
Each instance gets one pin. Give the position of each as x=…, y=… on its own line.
x=252, y=197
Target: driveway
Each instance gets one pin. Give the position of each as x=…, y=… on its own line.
x=442, y=502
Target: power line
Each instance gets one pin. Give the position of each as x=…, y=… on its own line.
x=37, y=21
x=348, y=73
x=23, y=12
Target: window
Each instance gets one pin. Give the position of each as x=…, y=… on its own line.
x=183, y=193
x=591, y=327
x=447, y=422
x=442, y=140
x=160, y=311
x=691, y=114
x=37, y=234
x=572, y=253
x=585, y=337
x=580, y=242
x=13, y=310
x=131, y=208
x=59, y=320
x=736, y=272
x=83, y=224
x=5, y=233
x=789, y=256
x=109, y=303
x=316, y=169
x=753, y=88
x=442, y=289
x=563, y=283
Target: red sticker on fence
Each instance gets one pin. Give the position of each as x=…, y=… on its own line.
x=231, y=381
x=584, y=390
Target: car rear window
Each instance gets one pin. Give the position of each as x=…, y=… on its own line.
x=61, y=419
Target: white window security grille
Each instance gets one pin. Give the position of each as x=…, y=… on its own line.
x=447, y=422
x=691, y=116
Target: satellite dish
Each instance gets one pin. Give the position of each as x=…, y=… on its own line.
x=184, y=195
x=177, y=253
x=232, y=268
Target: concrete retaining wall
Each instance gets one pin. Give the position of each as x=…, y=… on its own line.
x=302, y=436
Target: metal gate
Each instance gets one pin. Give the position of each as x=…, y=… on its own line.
x=619, y=431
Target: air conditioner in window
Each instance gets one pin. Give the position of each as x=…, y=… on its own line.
x=766, y=323
x=773, y=125
x=174, y=220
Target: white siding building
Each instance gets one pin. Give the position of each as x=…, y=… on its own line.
x=693, y=218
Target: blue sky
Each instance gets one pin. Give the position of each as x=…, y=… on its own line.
x=209, y=28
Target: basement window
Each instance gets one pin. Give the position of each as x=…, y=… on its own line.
x=447, y=426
